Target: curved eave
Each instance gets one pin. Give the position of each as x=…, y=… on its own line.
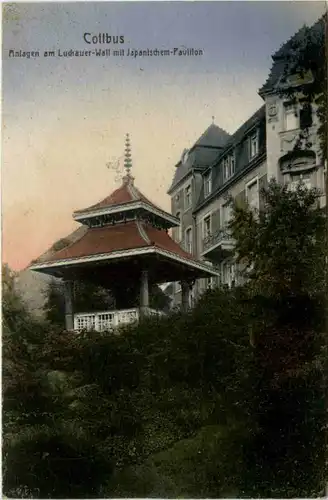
x=170, y=220
x=52, y=266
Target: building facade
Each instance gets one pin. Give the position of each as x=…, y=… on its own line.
x=280, y=140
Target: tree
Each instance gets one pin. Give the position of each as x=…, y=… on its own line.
x=54, y=305
x=91, y=297
x=120, y=400
x=87, y=298
x=161, y=382
x=186, y=405
x=284, y=254
x=43, y=454
x=158, y=299
x=282, y=247
x=13, y=308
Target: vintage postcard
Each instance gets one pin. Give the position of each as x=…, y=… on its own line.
x=164, y=236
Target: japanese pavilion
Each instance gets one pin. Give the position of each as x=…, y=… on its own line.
x=124, y=247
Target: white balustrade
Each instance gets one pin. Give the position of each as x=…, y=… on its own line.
x=108, y=320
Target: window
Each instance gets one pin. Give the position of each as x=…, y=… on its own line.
x=191, y=297
x=228, y=166
x=226, y=214
x=207, y=184
x=253, y=145
x=296, y=179
x=306, y=119
x=291, y=117
x=232, y=164
x=178, y=229
x=228, y=274
x=185, y=156
x=207, y=226
x=188, y=240
x=188, y=196
x=252, y=194
x=210, y=283
x=325, y=177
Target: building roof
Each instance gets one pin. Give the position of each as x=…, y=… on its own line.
x=123, y=236
x=202, y=153
x=213, y=136
x=121, y=241
x=125, y=202
x=181, y=171
x=237, y=136
x=280, y=57
x=61, y=243
x=124, y=194
x=241, y=158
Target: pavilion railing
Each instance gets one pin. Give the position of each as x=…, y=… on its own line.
x=108, y=320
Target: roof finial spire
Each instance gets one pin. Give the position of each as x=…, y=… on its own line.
x=127, y=160
x=127, y=156
x=213, y=119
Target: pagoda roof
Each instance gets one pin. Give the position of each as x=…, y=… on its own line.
x=125, y=199
x=124, y=194
x=119, y=241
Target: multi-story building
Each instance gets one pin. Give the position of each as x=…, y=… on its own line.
x=187, y=186
x=220, y=167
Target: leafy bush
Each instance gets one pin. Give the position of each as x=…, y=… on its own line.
x=226, y=400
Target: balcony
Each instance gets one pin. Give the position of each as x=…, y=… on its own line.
x=218, y=245
x=109, y=320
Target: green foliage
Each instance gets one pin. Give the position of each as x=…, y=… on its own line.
x=87, y=297
x=158, y=299
x=54, y=464
x=282, y=247
x=14, y=311
x=91, y=297
x=135, y=396
x=191, y=468
x=54, y=305
x=307, y=56
x=226, y=400
x=44, y=451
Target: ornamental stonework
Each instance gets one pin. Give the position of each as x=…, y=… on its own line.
x=272, y=110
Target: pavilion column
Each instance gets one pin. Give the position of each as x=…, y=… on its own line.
x=144, y=293
x=185, y=288
x=69, y=316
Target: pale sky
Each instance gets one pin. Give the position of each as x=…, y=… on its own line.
x=64, y=119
